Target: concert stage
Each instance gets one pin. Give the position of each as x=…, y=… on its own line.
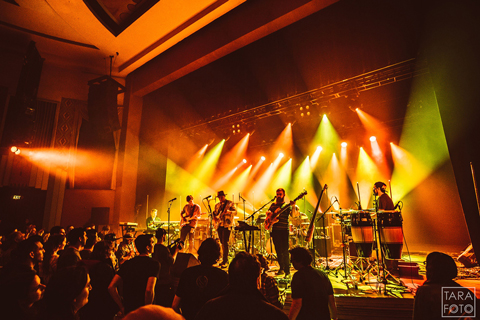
x=365, y=301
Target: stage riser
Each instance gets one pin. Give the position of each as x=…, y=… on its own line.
x=374, y=308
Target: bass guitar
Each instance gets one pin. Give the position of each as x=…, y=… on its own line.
x=272, y=217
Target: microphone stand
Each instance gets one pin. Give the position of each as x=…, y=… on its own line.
x=324, y=235
x=258, y=210
x=251, y=235
x=254, y=213
x=210, y=217
x=168, y=223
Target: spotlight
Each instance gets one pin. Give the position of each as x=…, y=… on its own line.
x=344, y=144
x=301, y=114
x=308, y=113
x=263, y=158
x=281, y=155
x=13, y=149
x=319, y=149
x=244, y=161
x=18, y=151
x=373, y=138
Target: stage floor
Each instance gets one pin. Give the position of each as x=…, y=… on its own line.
x=361, y=296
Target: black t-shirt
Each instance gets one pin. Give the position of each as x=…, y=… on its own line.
x=313, y=287
x=165, y=258
x=69, y=257
x=282, y=223
x=240, y=305
x=135, y=274
x=385, y=203
x=197, y=285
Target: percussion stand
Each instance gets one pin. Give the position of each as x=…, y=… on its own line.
x=346, y=267
x=382, y=277
x=327, y=268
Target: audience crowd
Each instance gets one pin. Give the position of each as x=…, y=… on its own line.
x=79, y=273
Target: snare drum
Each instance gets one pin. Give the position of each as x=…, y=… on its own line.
x=391, y=233
x=362, y=233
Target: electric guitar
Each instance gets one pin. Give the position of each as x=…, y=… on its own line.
x=224, y=214
x=187, y=219
x=272, y=217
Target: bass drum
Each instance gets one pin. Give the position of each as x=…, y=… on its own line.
x=362, y=233
x=391, y=233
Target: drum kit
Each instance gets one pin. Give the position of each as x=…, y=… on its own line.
x=366, y=231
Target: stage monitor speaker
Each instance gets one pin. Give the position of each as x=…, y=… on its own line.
x=100, y=215
x=320, y=246
x=182, y=262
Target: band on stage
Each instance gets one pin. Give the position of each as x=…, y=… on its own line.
x=283, y=226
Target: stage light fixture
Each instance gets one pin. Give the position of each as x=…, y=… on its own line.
x=344, y=144
x=18, y=151
x=13, y=149
x=373, y=138
x=319, y=148
x=244, y=161
x=281, y=155
x=263, y=158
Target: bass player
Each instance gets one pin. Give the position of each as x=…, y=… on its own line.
x=188, y=222
x=223, y=217
x=279, y=231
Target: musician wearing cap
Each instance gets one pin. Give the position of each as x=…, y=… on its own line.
x=384, y=202
x=189, y=216
x=223, y=217
x=277, y=215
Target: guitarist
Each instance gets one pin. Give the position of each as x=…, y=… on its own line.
x=189, y=216
x=280, y=233
x=223, y=217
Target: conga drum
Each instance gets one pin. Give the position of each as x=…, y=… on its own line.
x=362, y=233
x=391, y=233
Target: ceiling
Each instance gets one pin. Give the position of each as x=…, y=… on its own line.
x=68, y=33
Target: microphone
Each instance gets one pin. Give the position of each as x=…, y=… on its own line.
x=240, y=196
x=274, y=198
x=172, y=200
x=207, y=197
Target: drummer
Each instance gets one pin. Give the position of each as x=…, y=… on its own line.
x=297, y=217
x=384, y=202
